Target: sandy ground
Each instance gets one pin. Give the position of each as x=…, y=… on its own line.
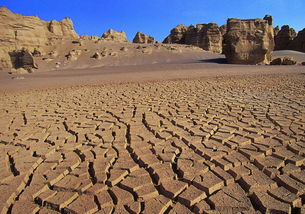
x=199, y=137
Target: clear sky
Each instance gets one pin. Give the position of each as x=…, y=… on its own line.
x=157, y=17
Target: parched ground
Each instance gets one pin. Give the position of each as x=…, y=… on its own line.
x=214, y=145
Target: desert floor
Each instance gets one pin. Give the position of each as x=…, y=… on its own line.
x=198, y=137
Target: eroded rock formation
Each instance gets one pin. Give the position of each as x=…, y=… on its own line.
x=298, y=43
x=177, y=35
x=113, y=35
x=283, y=39
x=143, y=38
x=249, y=41
x=29, y=32
x=205, y=36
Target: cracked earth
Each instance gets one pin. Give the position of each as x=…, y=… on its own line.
x=214, y=145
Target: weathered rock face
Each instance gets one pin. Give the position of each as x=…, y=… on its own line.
x=283, y=39
x=143, y=38
x=113, y=35
x=177, y=35
x=298, y=43
x=205, y=36
x=18, y=32
x=22, y=59
x=248, y=41
x=223, y=29
x=64, y=28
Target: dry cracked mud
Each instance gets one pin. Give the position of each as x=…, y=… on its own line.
x=213, y=145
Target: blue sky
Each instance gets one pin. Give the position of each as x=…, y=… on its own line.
x=157, y=17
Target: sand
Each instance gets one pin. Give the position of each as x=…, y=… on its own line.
x=182, y=136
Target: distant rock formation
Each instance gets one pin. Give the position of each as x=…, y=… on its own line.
x=143, y=38
x=284, y=37
x=112, y=35
x=248, y=41
x=205, y=36
x=298, y=43
x=276, y=30
x=29, y=32
x=177, y=35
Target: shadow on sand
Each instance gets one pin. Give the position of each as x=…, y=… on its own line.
x=214, y=60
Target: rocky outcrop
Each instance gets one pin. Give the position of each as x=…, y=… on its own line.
x=112, y=35
x=29, y=32
x=284, y=61
x=298, y=43
x=177, y=35
x=22, y=59
x=283, y=39
x=143, y=38
x=205, y=36
x=248, y=41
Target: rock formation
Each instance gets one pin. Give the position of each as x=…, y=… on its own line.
x=284, y=61
x=205, y=36
x=298, y=43
x=22, y=60
x=223, y=29
x=249, y=41
x=276, y=30
x=283, y=39
x=177, y=35
x=113, y=35
x=142, y=38
x=29, y=32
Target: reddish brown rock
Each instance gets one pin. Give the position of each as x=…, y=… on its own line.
x=143, y=38
x=283, y=39
x=248, y=41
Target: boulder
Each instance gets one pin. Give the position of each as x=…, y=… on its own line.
x=283, y=61
x=22, y=59
x=248, y=41
x=73, y=55
x=96, y=55
x=142, y=38
x=303, y=63
x=177, y=35
x=283, y=39
x=298, y=43
x=113, y=35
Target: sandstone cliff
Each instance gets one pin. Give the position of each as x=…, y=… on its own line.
x=249, y=41
x=29, y=32
x=205, y=36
